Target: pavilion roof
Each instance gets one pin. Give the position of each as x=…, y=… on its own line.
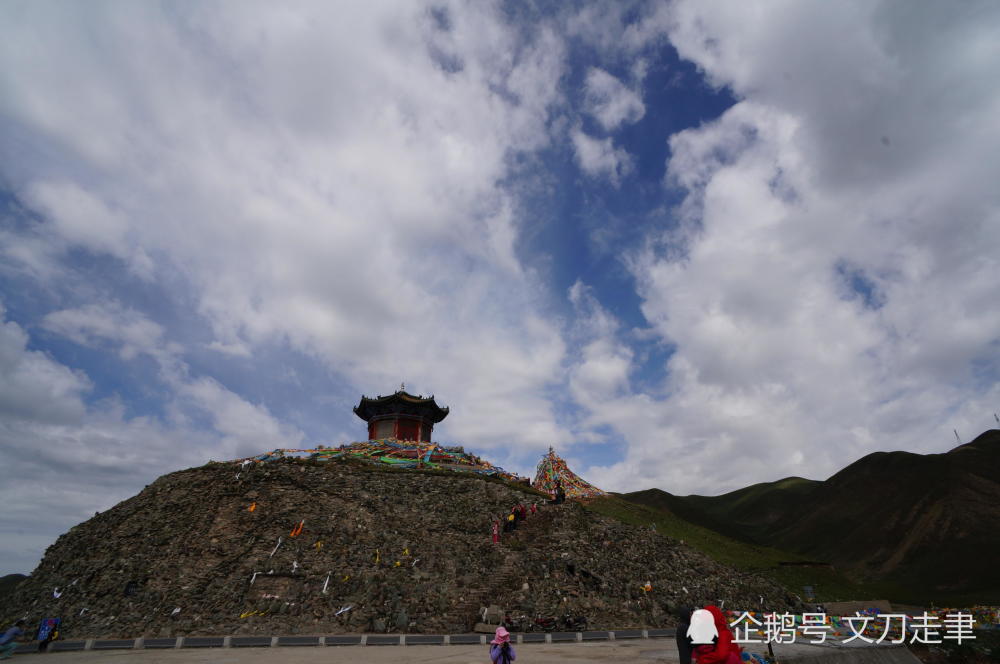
x=400, y=402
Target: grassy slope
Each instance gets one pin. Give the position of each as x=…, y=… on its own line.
x=917, y=525
x=745, y=514
x=758, y=502
x=828, y=584
x=912, y=525
x=9, y=582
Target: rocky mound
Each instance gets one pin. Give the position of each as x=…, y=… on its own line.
x=340, y=546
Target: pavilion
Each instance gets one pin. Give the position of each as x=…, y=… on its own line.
x=401, y=415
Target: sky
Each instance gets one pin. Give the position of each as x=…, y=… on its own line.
x=692, y=246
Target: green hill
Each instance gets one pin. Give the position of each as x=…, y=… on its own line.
x=8, y=583
x=790, y=570
x=913, y=527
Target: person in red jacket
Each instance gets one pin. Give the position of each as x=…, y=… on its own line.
x=722, y=649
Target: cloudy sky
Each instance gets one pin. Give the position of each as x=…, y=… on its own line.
x=691, y=245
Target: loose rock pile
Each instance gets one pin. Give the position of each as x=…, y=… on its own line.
x=362, y=549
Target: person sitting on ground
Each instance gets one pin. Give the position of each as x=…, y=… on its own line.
x=501, y=650
x=7, y=642
x=711, y=637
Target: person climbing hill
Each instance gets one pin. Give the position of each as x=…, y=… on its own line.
x=501, y=650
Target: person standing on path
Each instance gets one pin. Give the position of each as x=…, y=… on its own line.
x=7, y=642
x=496, y=530
x=560, y=493
x=684, y=650
x=501, y=650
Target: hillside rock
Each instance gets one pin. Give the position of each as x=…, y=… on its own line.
x=404, y=550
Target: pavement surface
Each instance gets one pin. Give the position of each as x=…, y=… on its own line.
x=634, y=651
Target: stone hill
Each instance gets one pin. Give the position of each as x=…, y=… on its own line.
x=362, y=548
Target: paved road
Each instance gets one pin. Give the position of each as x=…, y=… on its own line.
x=659, y=650
x=638, y=651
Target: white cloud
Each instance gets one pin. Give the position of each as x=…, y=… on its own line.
x=322, y=177
x=335, y=182
x=845, y=169
x=599, y=157
x=34, y=386
x=609, y=101
x=81, y=218
x=65, y=458
x=77, y=219
x=93, y=324
x=602, y=370
x=620, y=30
x=246, y=429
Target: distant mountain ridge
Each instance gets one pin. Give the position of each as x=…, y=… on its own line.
x=926, y=525
x=9, y=582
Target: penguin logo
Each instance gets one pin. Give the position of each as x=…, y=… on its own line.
x=702, y=630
